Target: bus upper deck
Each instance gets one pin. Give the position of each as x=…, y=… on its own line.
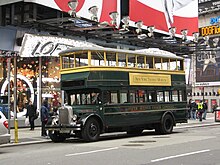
x=78, y=58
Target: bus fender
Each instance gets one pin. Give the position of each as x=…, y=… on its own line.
x=170, y=113
x=85, y=118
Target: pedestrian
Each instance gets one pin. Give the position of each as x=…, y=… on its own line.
x=193, y=107
x=189, y=109
x=205, y=107
x=200, y=108
x=44, y=117
x=31, y=113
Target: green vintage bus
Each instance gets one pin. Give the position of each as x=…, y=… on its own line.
x=111, y=90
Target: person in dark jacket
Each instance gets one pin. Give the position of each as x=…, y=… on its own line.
x=31, y=113
x=44, y=117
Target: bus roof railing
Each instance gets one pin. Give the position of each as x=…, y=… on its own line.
x=155, y=52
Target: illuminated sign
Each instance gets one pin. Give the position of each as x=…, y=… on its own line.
x=214, y=20
x=209, y=30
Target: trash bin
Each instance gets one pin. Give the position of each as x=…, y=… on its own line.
x=217, y=114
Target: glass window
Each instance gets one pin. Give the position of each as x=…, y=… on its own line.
x=81, y=59
x=172, y=64
x=132, y=97
x=141, y=96
x=149, y=63
x=160, y=97
x=123, y=97
x=180, y=96
x=140, y=62
x=165, y=65
x=97, y=59
x=174, y=95
x=114, y=97
x=167, y=96
x=131, y=60
x=121, y=60
x=158, y=64
x=111, y=59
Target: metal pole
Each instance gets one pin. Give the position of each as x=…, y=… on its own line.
x=40, y=83
x=9, y=94
x=15, y=100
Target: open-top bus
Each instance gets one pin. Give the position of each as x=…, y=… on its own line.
x=109, y=90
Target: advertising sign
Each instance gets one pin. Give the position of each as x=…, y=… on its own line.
x=163, y=14
x=207, y=66
x=36, y=45
x=104, y=7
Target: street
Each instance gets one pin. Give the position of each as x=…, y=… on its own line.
x=189, y=146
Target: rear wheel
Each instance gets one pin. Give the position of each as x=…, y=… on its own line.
x=91, y=130
x=166, y=125
x=56, y=137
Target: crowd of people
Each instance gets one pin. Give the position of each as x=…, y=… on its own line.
x=198, y=110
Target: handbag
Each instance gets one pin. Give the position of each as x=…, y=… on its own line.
x=27, y=121
x=36, y=115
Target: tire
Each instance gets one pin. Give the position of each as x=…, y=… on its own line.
x=91, y=130
x=166, y=125
x=56, y=137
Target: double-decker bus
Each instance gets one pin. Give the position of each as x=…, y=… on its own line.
x=111, y=90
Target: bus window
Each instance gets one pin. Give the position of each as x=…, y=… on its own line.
x=140, y=61
x=172, y=64
x=131, y=60
x=165, y=64
x=123, y=97
x=121, y=60
x=174, y=95
x=114, y=97
x=81, y=60
x=167, y=96
x=111, y=59
x=158, y=64
x=132, y=97
x=72, y=99
x=65, y=62
x=97, y=59
x=180, y=95
x=141, y=96
x=160, y=97
x=150, y=62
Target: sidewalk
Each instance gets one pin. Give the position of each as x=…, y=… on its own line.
x=25, y=136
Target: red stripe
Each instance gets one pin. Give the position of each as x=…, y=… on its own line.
x=150, y=16
x=108, y=6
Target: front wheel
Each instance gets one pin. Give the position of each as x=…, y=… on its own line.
x=56, y=137
x=91, y=130
x=166, y=125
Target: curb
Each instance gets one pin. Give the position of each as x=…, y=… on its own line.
x=24, y=143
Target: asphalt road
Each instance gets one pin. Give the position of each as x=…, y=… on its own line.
x=186, y=146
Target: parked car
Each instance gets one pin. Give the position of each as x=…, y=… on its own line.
x=4, y=136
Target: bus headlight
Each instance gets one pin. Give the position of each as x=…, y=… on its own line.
x=74, y=117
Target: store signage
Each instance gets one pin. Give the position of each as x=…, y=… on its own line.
x=214, y=20
x=209, y=30
x=37, y=45
x=202, y=84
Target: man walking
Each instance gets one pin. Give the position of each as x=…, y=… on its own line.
x=44, y=117
x=200, y=108
x=31, y=113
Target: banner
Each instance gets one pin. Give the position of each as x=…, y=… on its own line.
x=104, y=7
x=36, y=45
x=163, y=14
x=207, y=66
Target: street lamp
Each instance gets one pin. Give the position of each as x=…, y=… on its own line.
x=151, y=30
x=72, y=5
x=184, y=33
x=114, y=16
x=93, y=10
x=139, y=24
x=125, y=21
x=172, y=31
